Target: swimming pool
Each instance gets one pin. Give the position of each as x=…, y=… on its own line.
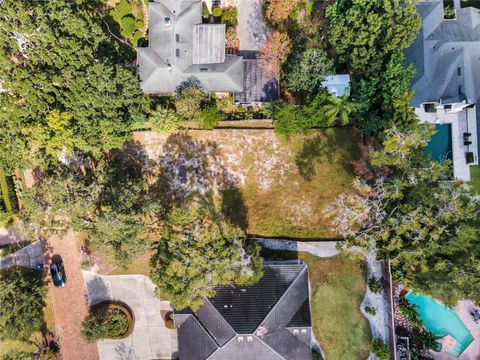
x=441, y=321
x=440, y=145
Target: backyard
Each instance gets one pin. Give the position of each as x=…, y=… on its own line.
x=337, y=290
x=269, y=185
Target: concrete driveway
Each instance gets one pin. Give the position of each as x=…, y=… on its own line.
x=150, y=338
x=251, y=29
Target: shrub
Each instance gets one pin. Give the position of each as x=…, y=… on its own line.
x=165, y=120
x=375, y=285
x=229, y=17
x=371, y=310
x=380, y=349
x=409, y=311
x=123, y=8
x=205, y=11
x=189, y=103
x=111, y=324
x=139, y=24
x=209, y=117
x=128, y=26
x=217, y=12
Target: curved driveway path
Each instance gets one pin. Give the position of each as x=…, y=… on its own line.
x=70, y=305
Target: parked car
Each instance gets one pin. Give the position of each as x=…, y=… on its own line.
x=58, y=273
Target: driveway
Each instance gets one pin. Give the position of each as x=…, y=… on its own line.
x=150, y=338
x=70, y=302
x=28, y=256
x=251, y=29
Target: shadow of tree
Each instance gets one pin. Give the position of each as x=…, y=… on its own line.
x=335, y=146
x=192, y=166
x=97, y=291
x=122, y=352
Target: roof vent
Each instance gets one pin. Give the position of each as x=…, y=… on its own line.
x=249, y=339
x=177, y=37
x=240, y=339
x=177, y=52
x=167, y=22
x=225, y=306
x=304, y=331
x=295, y=332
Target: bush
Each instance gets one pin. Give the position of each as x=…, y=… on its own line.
x=111, y=324
x=409, y=311
x=380, y=349
x=139, y=24
x=371, y=310
x=217, y=12
x=128, y=26
x=189, y=103
x=287, y=120
x=229, y=17
x=123, y=8
x=209, y=117
x=375, y=285
x=165, y=120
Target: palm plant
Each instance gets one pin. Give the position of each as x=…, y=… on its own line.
x=338, y=108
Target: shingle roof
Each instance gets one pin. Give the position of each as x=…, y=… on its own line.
x=269, y=320
x=180, y=46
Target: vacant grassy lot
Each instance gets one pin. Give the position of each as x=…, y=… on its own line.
x=271, y=185
x=338, y=287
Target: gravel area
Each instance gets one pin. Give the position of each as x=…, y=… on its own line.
x=320, y=249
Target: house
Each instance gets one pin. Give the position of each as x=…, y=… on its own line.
x=181, y=48
x=268, y=321
x=446, y=57
x=184, y=50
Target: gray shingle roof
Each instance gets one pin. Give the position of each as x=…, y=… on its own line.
x=180, y=47
x=268, y=321
x=446, y=56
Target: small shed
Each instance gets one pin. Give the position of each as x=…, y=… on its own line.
x=337, y=85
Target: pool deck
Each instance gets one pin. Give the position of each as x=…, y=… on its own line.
x=472, y=352
x=462, y=122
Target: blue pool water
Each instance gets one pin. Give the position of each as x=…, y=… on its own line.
x=440, y=145
x=440, y=320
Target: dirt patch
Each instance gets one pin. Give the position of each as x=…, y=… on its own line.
x=281, y=184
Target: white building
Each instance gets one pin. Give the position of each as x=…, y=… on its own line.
x=446, y=56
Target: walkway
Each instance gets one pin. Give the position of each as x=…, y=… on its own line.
x=150, y=338
x=29, y=256
x=70, y=302
x=251, y=29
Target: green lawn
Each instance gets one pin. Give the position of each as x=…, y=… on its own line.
x=475, y=177
x=338, y=287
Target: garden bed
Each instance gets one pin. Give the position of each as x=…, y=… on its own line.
x=108, y=320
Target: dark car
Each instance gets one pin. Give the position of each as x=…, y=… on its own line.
x=58, y=273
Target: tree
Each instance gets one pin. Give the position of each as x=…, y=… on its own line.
x=278, y=11
x=189, y=103
x=22, y=298
x=54, y=56
x=165, y=120
x=111, y=205
x=274, y=51
x=366, y=33
x=340, y=108
x=428, y=227
x=198, y=250
x=309, y=69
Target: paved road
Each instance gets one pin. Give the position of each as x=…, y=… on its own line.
x=29, y=256
x=150, y=338
x=70, y=305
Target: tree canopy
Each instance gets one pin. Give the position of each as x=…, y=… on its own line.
x=428, y=227
x=63, y=78
x=22, y=298
x=199, y=249
x=365, y=33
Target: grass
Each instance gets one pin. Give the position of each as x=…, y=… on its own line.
x=140, y=266
x=337, y=287
x=475, y=178
x=276, y=186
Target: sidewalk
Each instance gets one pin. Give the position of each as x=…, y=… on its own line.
x=70, y=305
